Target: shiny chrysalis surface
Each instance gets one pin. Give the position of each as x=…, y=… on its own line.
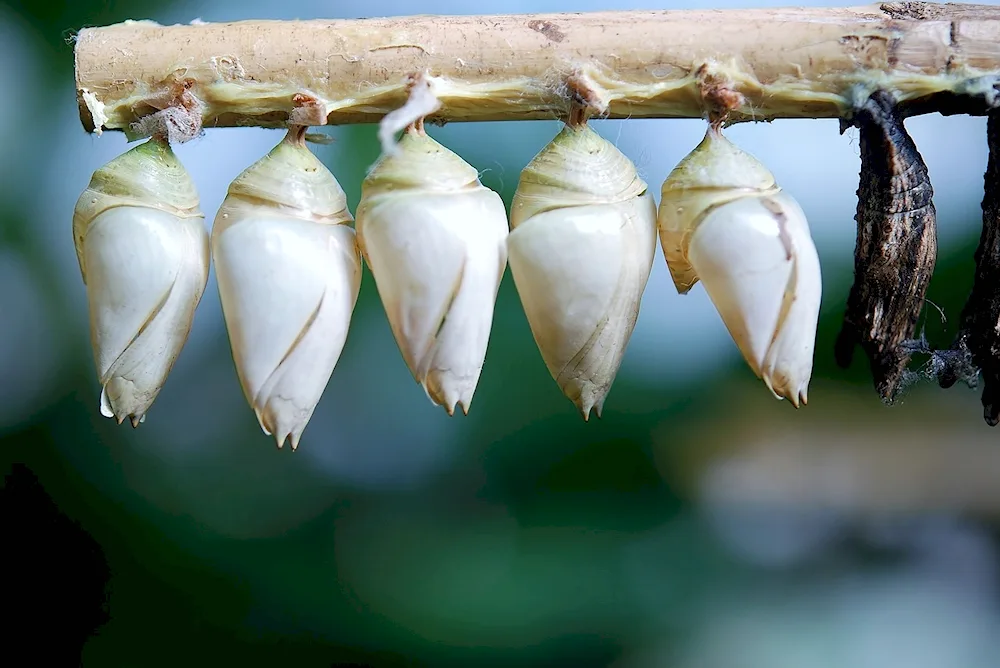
x=289, y=273
x=434, y=238
x=143, y=251
x=583, y=235
x=725, y=222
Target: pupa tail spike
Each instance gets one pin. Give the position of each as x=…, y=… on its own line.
x=977, y=344
x=896, y=245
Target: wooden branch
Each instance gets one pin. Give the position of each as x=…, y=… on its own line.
x=786, y=63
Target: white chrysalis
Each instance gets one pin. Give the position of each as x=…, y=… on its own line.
x=143, y=252
x=289, y=273
x=434, y=238
x=724, y=221
x=583, y=235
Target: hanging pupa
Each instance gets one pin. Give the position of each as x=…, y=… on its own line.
x=583, y=235
x=724, y=221
x=289, y=274
x=896, y=246
x=143, y=251
x=434, y=239
x=977, y=345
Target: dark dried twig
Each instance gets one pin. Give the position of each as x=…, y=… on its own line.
x=978, y=340
x=896, y=246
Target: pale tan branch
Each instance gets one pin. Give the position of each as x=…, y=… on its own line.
x=786, y=63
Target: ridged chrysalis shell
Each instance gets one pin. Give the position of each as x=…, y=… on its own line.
x=583, y=234
x=289, y=274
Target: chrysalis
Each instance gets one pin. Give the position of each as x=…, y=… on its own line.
x=979, y=335
x=896, y=246
x=143, y=251
x=725, y=222
x=289, y=273
x=583, y=234
x=434, y=238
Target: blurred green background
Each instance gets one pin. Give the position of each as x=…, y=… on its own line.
x=699, y=524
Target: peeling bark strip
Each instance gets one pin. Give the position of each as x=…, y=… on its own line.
x=784, y=63
x=896, y=247
x=979, y=336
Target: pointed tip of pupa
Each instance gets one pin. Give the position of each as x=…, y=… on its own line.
x=105, y=405
x=770, y=386
x=591, y=400
x=295, y=435
x=797, y=397
x=291, y=438
x=136, y=420
x=450, y=405
x=281, y=426
x=447, y=391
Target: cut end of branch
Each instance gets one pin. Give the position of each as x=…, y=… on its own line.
x=92, y=112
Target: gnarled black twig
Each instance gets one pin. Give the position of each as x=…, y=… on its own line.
x=979, y=334
x=896, y=246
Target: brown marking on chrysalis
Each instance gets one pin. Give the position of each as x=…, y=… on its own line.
x=979, y=333
x=782, y=219
x=896, y=246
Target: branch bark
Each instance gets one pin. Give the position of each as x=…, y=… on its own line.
x=786, y=63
